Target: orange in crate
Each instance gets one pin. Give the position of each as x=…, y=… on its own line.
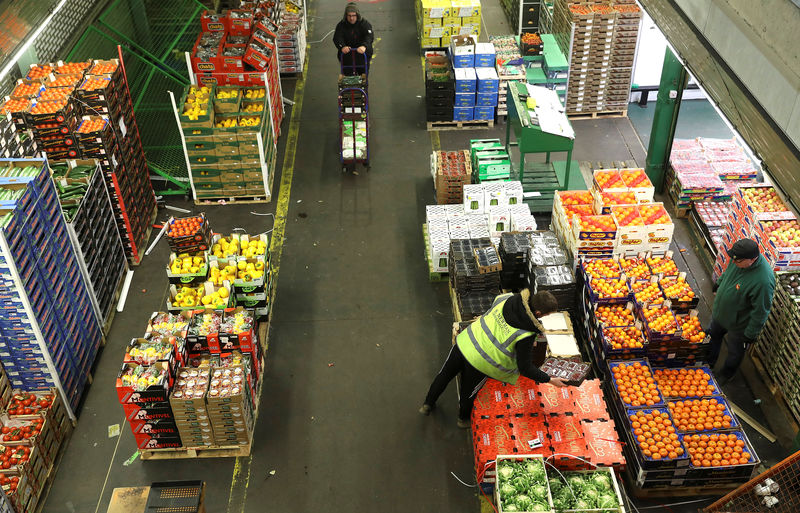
x=615, y=315
x=717, y=450
x=624, y=338
x=647, y=292
x=655, y=435
x=654, y=214
x=691, y=329
x=635, y=268
x=635, y=384
x=618, y=198
x=602, y=268
x=575, y=197
x=608, y=179
x=635, y=177
x=700, y=415
x=627, y=216
x=684, y=382
x=660, y=319
x=599, y=223
x=662, y=265
x=676, y=288
x=609, y=289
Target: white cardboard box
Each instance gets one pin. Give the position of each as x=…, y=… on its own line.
x=473, y=199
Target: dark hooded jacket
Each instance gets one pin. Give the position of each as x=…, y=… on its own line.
x=353, y=35
x=517, y=313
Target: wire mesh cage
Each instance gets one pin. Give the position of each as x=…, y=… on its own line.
x=776, y=491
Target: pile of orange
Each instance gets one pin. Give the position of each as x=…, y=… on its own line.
x=716, y=450
x=655, y=435
x=691, y=329
x=700, y=415
x=609, y=289
x=614, y=315
x=660, y=319
x=636, y=384
x=635, y=268
x=663, y=265
x=684, y=382
x=676, y=288
x=647, y=292
x=624, y=338
x=185, y=227
x=602, y=268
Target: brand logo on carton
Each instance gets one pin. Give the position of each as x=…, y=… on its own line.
x=215, y=26
x=631, y=242
x=596, y=235
x=658, y=240
x=205, y=66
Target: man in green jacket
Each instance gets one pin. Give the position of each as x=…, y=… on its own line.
x=741, y=306
x=499, y=344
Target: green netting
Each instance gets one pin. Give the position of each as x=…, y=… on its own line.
x=159, y=29
x=148, y=83
x=154, y=35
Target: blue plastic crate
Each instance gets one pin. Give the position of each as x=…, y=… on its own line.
x=463, y=61
x=486, y=100
x=648, y=462
x=483, y=113
x=727, y=411
x=464, y=100
x=463, y=113
x=614, y=364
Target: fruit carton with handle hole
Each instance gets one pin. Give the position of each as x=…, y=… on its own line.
x=594, y=227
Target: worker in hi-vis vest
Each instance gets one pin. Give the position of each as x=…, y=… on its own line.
x=498, y=344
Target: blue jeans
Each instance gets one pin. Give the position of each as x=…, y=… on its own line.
x=735, y=342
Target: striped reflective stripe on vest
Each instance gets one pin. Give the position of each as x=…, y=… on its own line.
x=503, y=347
x=485, y=355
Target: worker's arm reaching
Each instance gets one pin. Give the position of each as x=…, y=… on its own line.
x=527, y=368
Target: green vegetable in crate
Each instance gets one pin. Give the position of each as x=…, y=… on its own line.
x=584, y=490
x=539, y=506
x=601, y=481
x=539, y=492
x=607, y=501
x=510, y=507
x=507, y=490
x=506, y=471
x=523, y=502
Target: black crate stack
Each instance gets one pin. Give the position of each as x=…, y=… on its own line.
x=96, y=231
x=514, y=248
x=440, y=87
x=549, y=269
x=475, y=291
x=118, y=146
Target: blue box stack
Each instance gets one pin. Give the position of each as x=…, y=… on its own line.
x=36, y=252
x=477, y=82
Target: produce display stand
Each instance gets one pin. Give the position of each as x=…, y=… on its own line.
x=543, y=178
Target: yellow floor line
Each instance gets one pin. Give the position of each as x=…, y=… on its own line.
x=241, y=470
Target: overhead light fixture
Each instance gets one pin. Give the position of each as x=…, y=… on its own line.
x=25, y=46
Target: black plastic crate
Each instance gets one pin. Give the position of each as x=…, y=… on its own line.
x=176, y=497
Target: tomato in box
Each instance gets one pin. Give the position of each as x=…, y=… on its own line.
x=556, y=400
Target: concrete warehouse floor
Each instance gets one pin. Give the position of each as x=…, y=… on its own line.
x=357, y=330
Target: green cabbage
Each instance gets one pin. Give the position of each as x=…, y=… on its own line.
x=590, y=494
x=538, y=491
x=607, y=501
x=535, y=469
x=601, y=481
x=583, y=504
x=555, y=485
x=521, y=482
x=523, y=502
x=507, y=490
x=539, y=506
x=576, y=483
x=505, y=470
x=510, y=507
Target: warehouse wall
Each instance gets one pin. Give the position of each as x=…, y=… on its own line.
x=758, y=40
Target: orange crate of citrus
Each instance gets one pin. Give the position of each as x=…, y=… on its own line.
x=691, y=329
x=628, y=337
x=635, y=268
x=577, y=210
x=635, y=384
x=604, y=289
x=718, y=449
x=685, y=382
x=655, y=434
x=602, y=268
x=597, y=227
x=608, y=179
x=645, y=291
x=635, y=177
x=618, y=198
x=654, y=213
x=24, y=90
x=55, y=93
x=627, y=216
x=575, y=197
x=185, y=227
x=676, y=288
x=701, y=414
x=15, y=105
x=39, y=71
x=662, y=265
x=615, y=315
x=48, y=107
x=660, y=320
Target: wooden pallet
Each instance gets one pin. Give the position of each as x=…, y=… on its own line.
x=433, y=276
x=226, y=451
x=461, y=125
x=246, y=199
x=676, y=491
x=577, y=116
x=454, y=305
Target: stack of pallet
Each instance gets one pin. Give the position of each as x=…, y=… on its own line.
x=778, y=346
x=600, y=39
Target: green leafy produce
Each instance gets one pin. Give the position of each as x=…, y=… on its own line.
x=581, y=491
x=522, y=486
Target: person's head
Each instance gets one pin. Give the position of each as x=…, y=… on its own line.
x=351, y=13
x=744, y=253
x=543, y=303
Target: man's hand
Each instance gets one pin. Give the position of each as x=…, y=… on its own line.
x=361, y=49
x=345, y=49
x=748, y=342
x=557, y=382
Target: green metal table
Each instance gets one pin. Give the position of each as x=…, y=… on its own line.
x=546, y=177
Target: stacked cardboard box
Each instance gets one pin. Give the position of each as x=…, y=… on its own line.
x=523, y=15
x=600, y=39
x=476, y=80
x=490, y=160
x=291, y=38
x=188, y=402
x=451, y=170
x=509, y=67
x=440, y=20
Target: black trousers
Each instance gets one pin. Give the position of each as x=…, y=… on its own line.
x=471, y=382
